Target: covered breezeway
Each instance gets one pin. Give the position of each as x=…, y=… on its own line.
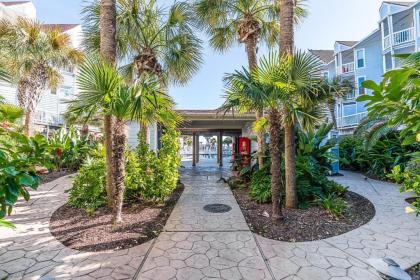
x=218, y=127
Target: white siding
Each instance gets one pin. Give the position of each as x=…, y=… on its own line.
x=8, y=92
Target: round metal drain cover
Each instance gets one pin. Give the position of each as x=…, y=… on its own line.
x=217, y=208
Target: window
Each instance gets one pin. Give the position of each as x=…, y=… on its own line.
x=325, y=75
x=360, y=58
x=360, y=88
x=54, y=91
x=66, y=91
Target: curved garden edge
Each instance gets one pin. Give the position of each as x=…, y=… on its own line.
x=40, y=254
x=391, y=233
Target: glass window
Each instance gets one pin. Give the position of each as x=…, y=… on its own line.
x=54, y=91
x=66, y=91
x=361, y=89
x=360, y=56
x=325, y=75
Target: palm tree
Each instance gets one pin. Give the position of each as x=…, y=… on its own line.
x=103, y=89
x=4, y=76
x=286, y=85
x=33, y=56
x=245, y=22
x=287, y=41
x=333, y=90
x=153, y=41
x=107, y=47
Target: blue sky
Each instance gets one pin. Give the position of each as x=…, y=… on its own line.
x=328, y=21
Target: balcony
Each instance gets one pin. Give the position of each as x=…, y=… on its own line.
x=47, y=118
x=346, y=68
x=399, y=38
x=351, y=120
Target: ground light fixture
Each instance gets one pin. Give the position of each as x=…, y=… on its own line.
x=388, y=269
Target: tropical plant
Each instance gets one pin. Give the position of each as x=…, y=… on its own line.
x=283, y=86
x=102, y=88
x=394, y=103
x=409, y=178
x=4, y=77
x=69, y=148
x=336, y=206
x=33, y=56
x=152, y=40
x=248, y=22
x=19, y=158
x=260, y=187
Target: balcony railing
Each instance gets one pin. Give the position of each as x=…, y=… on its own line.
x=346, y=68
x=47, y=118
x=351, y=120
x=400, y=37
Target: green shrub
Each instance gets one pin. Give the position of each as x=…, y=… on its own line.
x=261, y=185
x=380, y=159
x=409, y=179
x=88, y=191
x=336, y=206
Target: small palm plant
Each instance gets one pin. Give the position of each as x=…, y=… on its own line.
x=103, y=89
x=278, y=84
x=33, y=56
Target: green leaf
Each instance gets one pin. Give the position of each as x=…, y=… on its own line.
x=371, y=85
x=11, y=170
x=26, y=180
x=6, y=224
x=25, y=193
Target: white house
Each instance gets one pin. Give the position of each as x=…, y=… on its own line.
x=52, y=104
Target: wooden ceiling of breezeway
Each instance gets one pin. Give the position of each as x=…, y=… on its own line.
x=211, y=121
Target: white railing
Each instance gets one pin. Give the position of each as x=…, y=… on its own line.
x=404, y=36
x=351, y=95
x=347, y=68
x=400, y=37
x=351, y=120
x=47, y=118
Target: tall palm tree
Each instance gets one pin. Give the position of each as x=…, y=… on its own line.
x=286, y=42
x=4, y=77
x=107, y=47
x=103, y=89
x=286, y=85
x=245, y=22
x=152, y=40
x=33, y=56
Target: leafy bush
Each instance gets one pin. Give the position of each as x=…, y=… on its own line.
x=261, y=185
x=380, y=159
x=20, y=156
x=148, y=176
x=88, y=191
x=313, y=161
x=69, y=148
x=336, y=206
x=409, y=178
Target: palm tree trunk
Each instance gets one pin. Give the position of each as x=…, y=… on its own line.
x=290, y=166
x=29, y=119
x=108, y=49
x=144, y=132
x=331, y=108
x=286, y=48
x=118, y=154
x=108, y=129
x=275, y=152
x=251, y=50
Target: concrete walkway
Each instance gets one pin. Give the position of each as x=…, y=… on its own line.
x=200, y=245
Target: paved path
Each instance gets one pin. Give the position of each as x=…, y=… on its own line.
x=31, y=252
x=200, y=245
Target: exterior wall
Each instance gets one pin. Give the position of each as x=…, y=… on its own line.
x=247, y=132
x=19, y=10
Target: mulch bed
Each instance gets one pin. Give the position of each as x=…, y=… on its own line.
x=74, y=228
x=51, y=176
x=313, y=223
x=414, y=272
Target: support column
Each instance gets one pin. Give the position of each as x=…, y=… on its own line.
x=220, y=148
x=194, y=157
x=197, y=141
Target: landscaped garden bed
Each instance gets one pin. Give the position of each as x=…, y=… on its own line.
x=414, y=272
x=77, y=229
x=312, y=223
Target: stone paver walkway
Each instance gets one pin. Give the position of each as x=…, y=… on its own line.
x=31, y=252
x=200, y=245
